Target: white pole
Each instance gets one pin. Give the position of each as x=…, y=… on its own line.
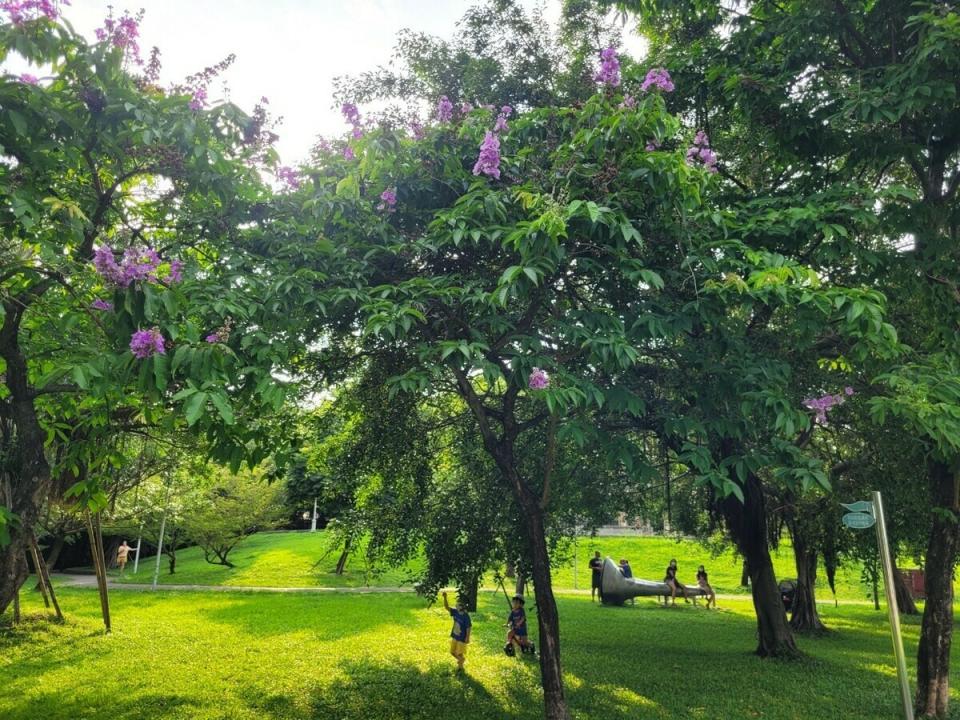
x=574, y=559
x=313, y=523
x=888, y=571
x=156, y=569
x=136, y=557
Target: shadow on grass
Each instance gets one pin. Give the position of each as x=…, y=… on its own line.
x=399, y=692
x=80, y=703
x=325, y=617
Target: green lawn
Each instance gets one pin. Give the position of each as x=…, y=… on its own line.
x=237, y=656
x=286, y=559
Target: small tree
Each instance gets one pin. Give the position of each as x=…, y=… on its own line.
x=236, y=507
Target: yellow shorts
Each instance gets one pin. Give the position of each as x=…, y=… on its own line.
x=458, y=648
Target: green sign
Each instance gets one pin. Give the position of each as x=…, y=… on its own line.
x=861, y=506
x=859, y=520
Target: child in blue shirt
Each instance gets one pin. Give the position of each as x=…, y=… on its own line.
x=460, y=634
x=517, y=633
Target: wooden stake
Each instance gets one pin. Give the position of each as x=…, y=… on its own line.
x=96, y=545
x=41, y=583
x=16, y=608
x=45, y=574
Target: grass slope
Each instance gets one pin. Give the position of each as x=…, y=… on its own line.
x=236, y=656
x=286, y=559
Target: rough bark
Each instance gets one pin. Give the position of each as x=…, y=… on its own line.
x=342, y=561
x=747, y=523
x=468, y=593
x=803, y=613
x=745, y=575
x=936, y=632
x=96, y=546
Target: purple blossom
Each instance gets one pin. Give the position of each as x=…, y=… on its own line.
x=506, y=111
x=106, y=265
x=848, y=391
x=350, y=113
x=466, y=108
x=357, y=132
x=289, y=176
x=658, y=78
x=539, y=380
x=416, y=127
x=348, y=153
x=212, y=338
x=652, y=145
x=629, y=102
x=99, y=304
x=609, y=68
x=488, y=162
x=501, y=124
x=20, y=11
x=122, y=34
x=444, y=109
x=388, y=200
x=175, y=274
x=222, y=333
x=700, y=152
x=198, y=100
x=145, y=343
x=822, y=405
x=29, y=79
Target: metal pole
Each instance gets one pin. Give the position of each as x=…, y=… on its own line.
x=136, y=557
x=575, y=561
x=888, y=571
x=313, y=522
x=156, y=569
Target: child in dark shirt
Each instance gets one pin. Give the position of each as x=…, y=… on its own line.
x=460, y=634
x=517, y=624
x=704, y=584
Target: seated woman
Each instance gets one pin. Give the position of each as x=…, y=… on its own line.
x=705, y=586
x=674, y=584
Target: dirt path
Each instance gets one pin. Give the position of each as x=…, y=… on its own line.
x=90, y=581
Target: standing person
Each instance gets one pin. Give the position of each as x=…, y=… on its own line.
x=671, y=581
x=460, y=634
x=596, y=567
x=517, y=622
x=627, y=573
x=122, y=552
x=704, y=584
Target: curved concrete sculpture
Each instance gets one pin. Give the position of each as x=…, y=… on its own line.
x=616, y=589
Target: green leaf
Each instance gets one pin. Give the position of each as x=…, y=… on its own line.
x=194, y=407
x=223, y=407
x=19, y=122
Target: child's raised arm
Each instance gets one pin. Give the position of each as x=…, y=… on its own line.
x=446, y=604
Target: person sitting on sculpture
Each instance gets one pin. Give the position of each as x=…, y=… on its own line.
x=674, y=584
x=704, y=584
x=627, y=573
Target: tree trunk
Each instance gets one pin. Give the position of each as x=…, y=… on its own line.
x=342, y=562
x=548, y=619
x=803, y=613
x=904, y=597
x=745, y=575
x=96, y=547
x=468, y=593
x=44, y=575
x=55, y=550
x=24, y=492
x=173, y=561
x=936, y=632
x=747, y=523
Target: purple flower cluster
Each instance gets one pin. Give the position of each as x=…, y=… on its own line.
x=488, y=161
x=417, y=129
x=444, y=109
x=289, y=176
x=652, y=145
x=122, y=34
x=221, y=334
x=348, y=153
x=198, y=100
x=350, y=113
x=501, y=124
x=145, y=343
x=539, y=380
x=29, y=79
x=700, y=152
x=388, y=200
x=20, y=11
x=138, y=264
x=658, y=78
x=822, y=405
x=99, y=304
x=629, y=102
x=609, y=68
x=466, y=108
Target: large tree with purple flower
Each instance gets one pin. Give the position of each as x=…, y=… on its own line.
x=571, y=290
x=120, y=204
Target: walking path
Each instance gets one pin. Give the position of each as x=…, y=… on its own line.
x=90, y=581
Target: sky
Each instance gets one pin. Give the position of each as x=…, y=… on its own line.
x=287, y=50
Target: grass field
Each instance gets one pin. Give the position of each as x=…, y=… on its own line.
x=286, y=559
x=237, y=656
